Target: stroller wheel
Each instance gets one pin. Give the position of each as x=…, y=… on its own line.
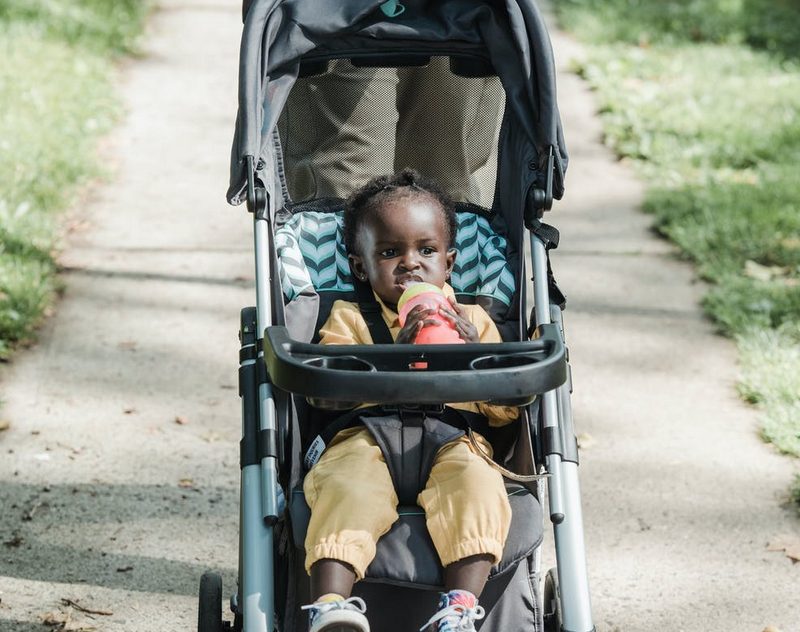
x=552, y=602
x=209, y=611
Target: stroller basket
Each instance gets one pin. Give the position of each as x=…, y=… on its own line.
x=507, y=372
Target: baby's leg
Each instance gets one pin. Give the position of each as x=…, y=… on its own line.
x=353, y=503
x=468, y=515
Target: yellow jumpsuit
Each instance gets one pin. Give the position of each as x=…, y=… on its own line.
x=351, y=494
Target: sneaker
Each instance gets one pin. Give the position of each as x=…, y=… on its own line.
x=334, y=613
x=458, y=612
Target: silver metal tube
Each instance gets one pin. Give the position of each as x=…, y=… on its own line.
x=266, y=404
x=541, y=294
x=256, y=598
x=563, y=488
x=263, y=293
x=555, y=494
x=269, y=464
x=259, y=498
x=541, y=308
x=573, y=579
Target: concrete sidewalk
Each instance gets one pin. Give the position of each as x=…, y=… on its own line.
x=681, y=496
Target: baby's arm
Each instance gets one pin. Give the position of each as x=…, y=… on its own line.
x=342, y=326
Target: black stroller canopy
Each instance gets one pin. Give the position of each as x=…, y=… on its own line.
x=507, y=36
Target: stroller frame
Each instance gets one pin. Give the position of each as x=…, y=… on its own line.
x=271, y=364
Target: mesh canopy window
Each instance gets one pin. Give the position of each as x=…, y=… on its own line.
x=342, y=127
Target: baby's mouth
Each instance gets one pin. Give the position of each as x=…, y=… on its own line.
x=406, y=280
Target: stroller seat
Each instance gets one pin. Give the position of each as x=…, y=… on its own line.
x=406, y=555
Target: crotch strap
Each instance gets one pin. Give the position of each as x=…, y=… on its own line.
x=409, y=442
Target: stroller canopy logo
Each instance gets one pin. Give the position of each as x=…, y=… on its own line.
x=392, y=8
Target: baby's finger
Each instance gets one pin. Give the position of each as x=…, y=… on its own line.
x=449, y=315
x=456, y=307
x=452, y=316
x=416, y=310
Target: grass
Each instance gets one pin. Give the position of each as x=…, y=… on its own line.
x=56, y=99
x=704, y=97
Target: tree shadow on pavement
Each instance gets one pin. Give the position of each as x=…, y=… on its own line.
x=134, y=537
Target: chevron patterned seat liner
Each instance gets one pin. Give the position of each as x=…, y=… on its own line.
x=312, y=257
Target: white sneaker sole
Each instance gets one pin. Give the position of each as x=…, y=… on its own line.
x=341, y=621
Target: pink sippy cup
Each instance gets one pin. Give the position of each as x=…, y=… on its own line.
x=431, y=297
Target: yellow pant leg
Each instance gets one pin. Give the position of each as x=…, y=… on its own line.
x=466, y=505
x=352, y=499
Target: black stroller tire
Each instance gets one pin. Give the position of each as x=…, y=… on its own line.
x=209, y=610
x=551, y=612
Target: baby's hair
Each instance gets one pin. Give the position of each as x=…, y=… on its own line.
x=406, y=183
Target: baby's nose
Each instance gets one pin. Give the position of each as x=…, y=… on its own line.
x=409, y=260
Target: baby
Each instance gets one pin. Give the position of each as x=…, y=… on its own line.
x=398, y=230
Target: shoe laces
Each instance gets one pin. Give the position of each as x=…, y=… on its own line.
x=320, y=607
x=455, y=617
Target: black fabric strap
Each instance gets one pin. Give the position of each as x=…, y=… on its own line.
x=550, y=236
x=371, y=311
x=409, y=442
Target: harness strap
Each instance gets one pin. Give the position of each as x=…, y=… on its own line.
x=371, y=311
x=409, y=443
x=443, y=424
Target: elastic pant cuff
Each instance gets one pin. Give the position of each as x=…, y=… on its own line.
x=468, y=548
x=345, y=553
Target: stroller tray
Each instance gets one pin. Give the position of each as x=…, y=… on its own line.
x=509, y=372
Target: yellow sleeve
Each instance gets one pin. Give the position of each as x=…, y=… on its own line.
x=488, y=332
x=345, y=326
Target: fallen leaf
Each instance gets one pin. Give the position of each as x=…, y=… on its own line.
x=63, y=621
x=771, y=628
x=124, y=569
x=127, y=345
x=186, y=483
x=4, y=425
x=585, y=440
x=181, y=420
x=787, y=544
x=128, y=411
x=55, y=619
x=15, y=541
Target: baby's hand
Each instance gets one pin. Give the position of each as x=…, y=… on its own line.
x=466, y=330
x=417, y=319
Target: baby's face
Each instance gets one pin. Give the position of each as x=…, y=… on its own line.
x=405, y=241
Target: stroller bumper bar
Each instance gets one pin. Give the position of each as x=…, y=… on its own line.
x=507, y=373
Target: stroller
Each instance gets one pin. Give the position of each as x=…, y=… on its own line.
x=288, y=48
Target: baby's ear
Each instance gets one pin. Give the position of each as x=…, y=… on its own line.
x=357, y=267
x=451, y=259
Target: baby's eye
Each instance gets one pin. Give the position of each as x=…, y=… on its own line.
x=427, y=251
x=388, y=253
